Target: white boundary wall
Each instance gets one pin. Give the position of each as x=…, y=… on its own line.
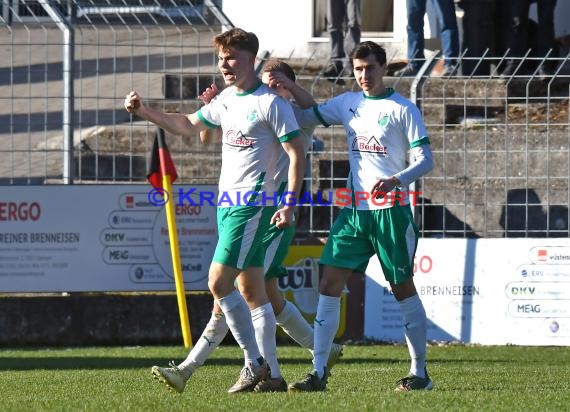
x=111, y=238
x=485, y=291
x=90, y=238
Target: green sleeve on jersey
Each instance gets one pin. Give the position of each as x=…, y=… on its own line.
x=289, y=136
x=419, y=142
x=207, y=123
x=318, y=114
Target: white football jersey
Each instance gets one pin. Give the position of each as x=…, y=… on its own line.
x=253, y=125
x=379, y=131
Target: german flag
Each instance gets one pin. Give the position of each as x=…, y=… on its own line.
x=161, y=163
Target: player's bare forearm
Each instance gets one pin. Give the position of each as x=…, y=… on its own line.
x=295, y=174
x=302, y=97
x=175, y=123
x=286, y=215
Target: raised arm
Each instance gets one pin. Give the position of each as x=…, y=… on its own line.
x=175, y=123
x=302, y=97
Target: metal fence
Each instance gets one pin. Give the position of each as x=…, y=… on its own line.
x=501, y=144
x=63, y=78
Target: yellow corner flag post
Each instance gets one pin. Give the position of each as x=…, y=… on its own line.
x=176, y=265
x=162, y=174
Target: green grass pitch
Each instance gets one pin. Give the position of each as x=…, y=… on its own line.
x=466, y=378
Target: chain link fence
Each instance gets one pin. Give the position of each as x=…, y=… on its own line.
x=501, y=143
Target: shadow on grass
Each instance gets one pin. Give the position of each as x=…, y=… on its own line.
x=110, y=362
x=95, y=362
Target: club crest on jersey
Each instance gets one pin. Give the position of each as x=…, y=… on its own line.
x=383, y=120
x=237, y=139
x=252, y=115
x=364, y=144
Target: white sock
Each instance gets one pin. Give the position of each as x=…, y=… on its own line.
x=238, y=318
x=264, y=323
x=213, y=334
x=415, y=330
x=295, y=325
x=325, y=326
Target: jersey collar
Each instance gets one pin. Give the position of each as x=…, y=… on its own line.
x=250, y=91
x=389, y=92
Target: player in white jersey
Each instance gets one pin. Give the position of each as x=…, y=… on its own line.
x=257, y=125
x=381, y=128
x=281, y=77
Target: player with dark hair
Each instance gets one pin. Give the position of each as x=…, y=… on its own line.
x=381, y=128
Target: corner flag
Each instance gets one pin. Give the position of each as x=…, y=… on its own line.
x=161, y=175
x=160, y=162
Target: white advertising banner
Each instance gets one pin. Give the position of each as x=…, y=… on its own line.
x=484, y=291
x=103, y=238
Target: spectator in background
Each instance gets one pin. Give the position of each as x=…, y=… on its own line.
x=518, y=38
x=340, y=14
x=416, y=10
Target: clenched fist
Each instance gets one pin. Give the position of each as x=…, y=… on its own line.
x=133, y=102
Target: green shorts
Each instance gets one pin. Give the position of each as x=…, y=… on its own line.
x=276, y=243
x=389, y=233
x=241, y=230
